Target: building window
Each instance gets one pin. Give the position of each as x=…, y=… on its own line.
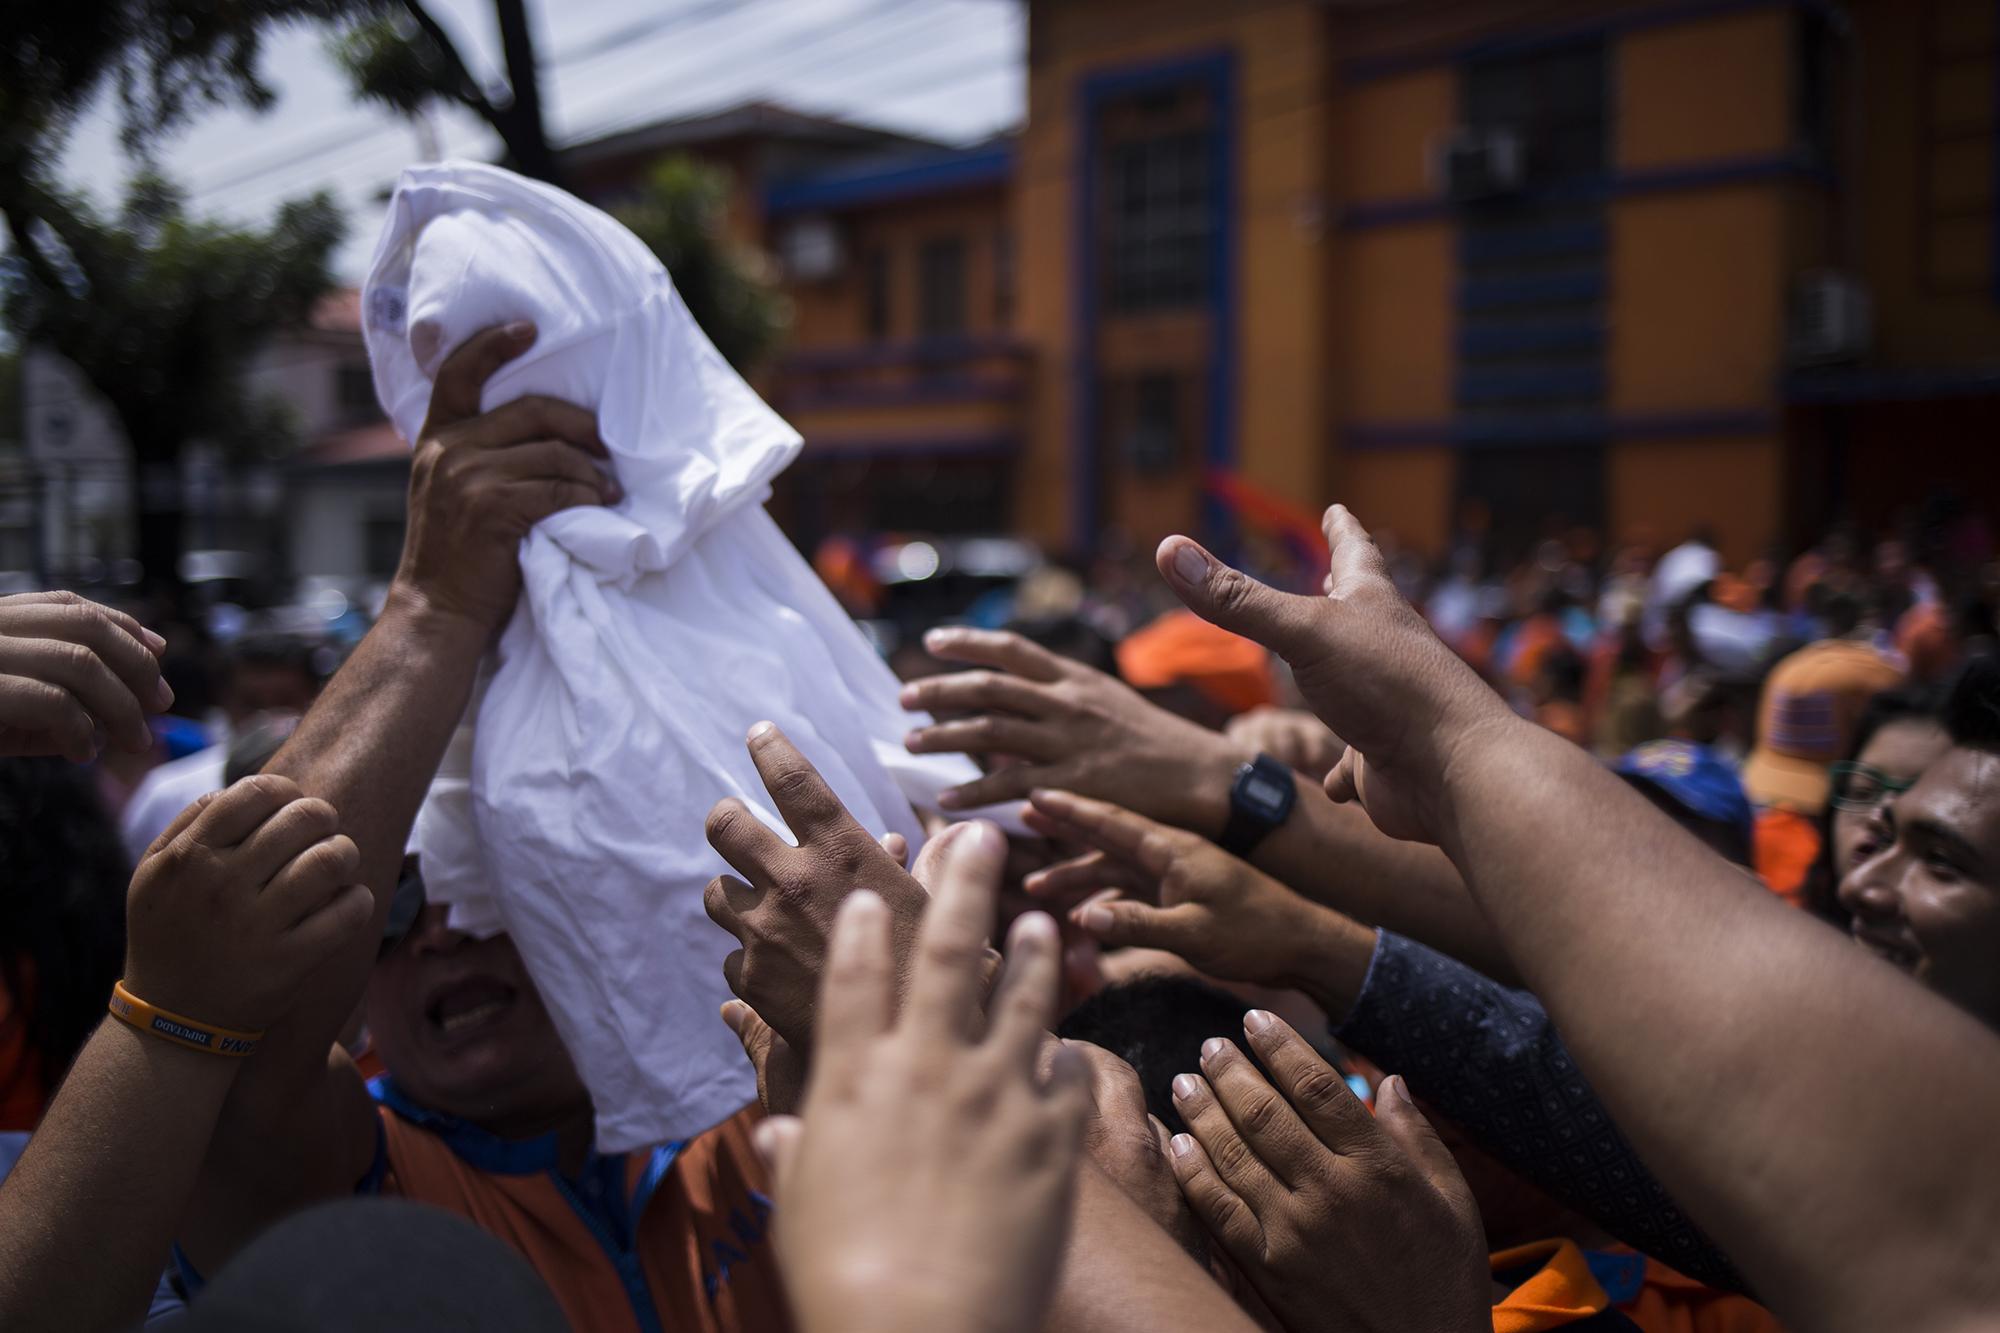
x=875, y=279
x=1147, y=421
x=1956, y=155
x=354, y=391
x=1158, y=201
x=941, y=288
x=1553, y=99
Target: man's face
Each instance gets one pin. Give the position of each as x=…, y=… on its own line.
x=1929, y=899
x=1899, y=751
x=464, y=1031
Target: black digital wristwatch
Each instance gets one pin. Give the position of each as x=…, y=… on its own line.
x=1260, y=799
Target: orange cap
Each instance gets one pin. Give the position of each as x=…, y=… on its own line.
x=1182, y=648
x=1805, y=721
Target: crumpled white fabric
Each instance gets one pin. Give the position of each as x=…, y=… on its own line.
x=649, y=637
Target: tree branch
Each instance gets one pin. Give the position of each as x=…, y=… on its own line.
x=470, y=92
x=31, y=254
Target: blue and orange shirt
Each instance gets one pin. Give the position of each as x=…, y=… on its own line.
x=1551, y=1286
x=675, y=1238
x=1659, y=1300
x=678, y=1237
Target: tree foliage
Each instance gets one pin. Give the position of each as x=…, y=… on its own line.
x=680, y=214
x=162, y=310
x=159, y=310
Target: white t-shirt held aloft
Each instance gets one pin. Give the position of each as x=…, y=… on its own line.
x=649, y=637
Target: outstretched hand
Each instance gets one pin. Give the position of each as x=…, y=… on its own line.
x=1063, y=724
x=782, y=909
x=70, y=670
x=247, y=892
x=1364, y=660
x=928, y=1182
x=1182, y=893
x=1340, y=1219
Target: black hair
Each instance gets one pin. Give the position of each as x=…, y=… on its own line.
x=1972, y=708
x=1156, y=1024
x=1903, y=702
x=1072, y=636
x=63, y=875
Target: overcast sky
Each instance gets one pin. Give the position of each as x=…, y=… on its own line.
x=951, y=69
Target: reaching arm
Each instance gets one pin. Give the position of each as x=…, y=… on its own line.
x=1120, y=1270
x=1077, y=729
x=297, y=1124
x=1790, y=1090
x=1488, y=1056
x=239, y=899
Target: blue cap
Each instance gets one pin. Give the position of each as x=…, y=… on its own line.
x=1694, y=777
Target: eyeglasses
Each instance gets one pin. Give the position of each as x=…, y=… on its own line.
x=405, y=907
x=1862, y=787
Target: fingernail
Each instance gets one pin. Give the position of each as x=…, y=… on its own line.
x=981, y=836
x=950, y=799
x=1037, y=926
x=1399, y=1089
x=1213, y=1049
x=1256, y=1022
x=152, y=640
x=908, y=696
x=935, y=637
x=765, y=1139
x=761, y=730
x=913, y=738
x=519, y=329
x=163, y=694
x=1095, y=918
x=1183, y=1144
x=732, y=1015
x=1191, y=565
x=1185, y=1088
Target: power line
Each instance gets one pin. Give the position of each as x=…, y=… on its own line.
x=847, y=30
x=297, y=153
x=808, y=40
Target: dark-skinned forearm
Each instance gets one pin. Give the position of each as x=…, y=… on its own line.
x=1757, y=1022
x=1121, y=1271
x=369, y=745
x=1333, y=855
x=88, y=1214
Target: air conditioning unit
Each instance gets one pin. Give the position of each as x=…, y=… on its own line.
x=810, y=249
x=1831, y=319
x=1471, y=163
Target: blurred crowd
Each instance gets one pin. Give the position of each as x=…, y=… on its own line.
x=1610, y=940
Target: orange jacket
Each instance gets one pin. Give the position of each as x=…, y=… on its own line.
x=699, y=1256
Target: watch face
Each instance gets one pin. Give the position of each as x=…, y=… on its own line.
x=1263, y=795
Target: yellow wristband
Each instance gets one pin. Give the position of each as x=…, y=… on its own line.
x=178, y=1030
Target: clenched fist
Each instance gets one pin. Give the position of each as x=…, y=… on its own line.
x=247, y=891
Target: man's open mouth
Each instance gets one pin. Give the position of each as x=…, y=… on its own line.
x=470, y=1005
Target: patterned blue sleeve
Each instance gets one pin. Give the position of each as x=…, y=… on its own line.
x=1489, y=1058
